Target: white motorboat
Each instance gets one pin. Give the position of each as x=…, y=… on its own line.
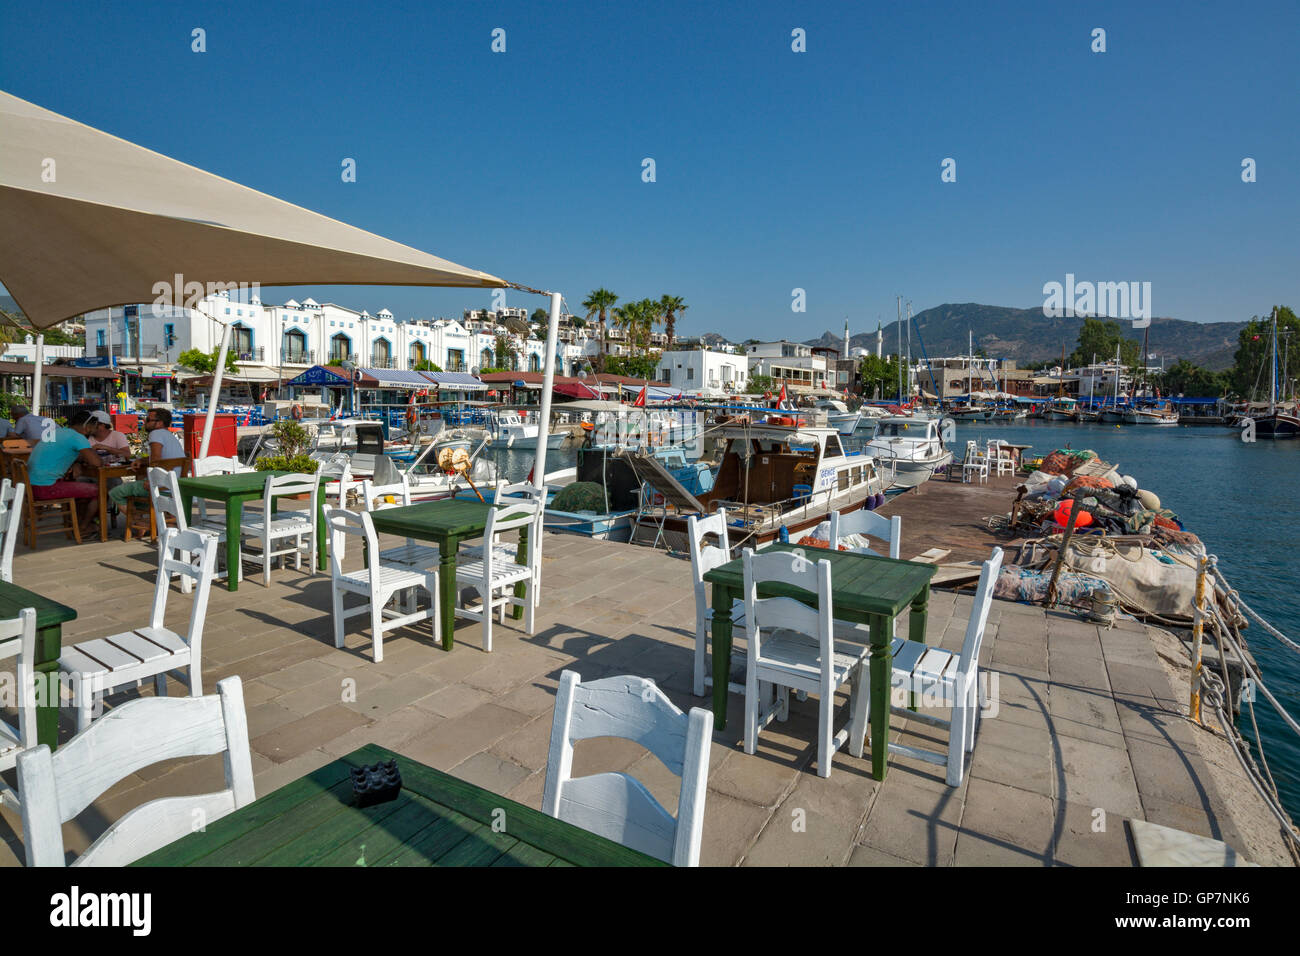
x=913, y=448
x=839, y=417
x=1161, y=414
x=510, y=429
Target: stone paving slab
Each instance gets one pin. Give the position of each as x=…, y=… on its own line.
x=1083, y=737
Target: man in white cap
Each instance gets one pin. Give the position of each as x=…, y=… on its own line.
x=104, y=438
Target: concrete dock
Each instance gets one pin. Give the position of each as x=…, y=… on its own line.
x=1089, y=730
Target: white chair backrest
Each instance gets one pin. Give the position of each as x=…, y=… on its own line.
x=889, y=530
x=216, y=465
x=765, y=615
x=57, y=787
x=192, y=555
x=615, y=805
x=376, y=497
x=18, y=639
x=515, y=513
x=341, y=522
x=11, y=520
x=294, y=484
x=705, y=557
x=339, y=469
x=165, y=495
x=979, y=612
x=972, y=450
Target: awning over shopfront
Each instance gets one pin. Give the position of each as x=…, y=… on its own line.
x=455, y=381
x=319, y=375
x=391, y=378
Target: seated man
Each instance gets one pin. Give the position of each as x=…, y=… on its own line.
x=103, y=437
x=29, y=426
x=162, y=445
x=50, y=460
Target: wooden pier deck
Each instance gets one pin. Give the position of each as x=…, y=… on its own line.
x=1088, y=731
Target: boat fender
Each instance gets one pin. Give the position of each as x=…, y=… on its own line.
x=1149, y=500
x=870, y=504
x=783, y=535
x=296, y=412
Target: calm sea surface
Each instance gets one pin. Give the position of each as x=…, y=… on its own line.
x=1240, y=499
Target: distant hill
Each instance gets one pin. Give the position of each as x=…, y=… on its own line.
x=1026, y=335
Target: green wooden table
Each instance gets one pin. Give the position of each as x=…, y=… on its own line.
x=233, y=491
x=50, y=618
x=447, y=523
x=436, y=820
x=865, y=589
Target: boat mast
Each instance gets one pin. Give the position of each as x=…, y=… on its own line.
x=899, y=323
x=909, y=351
x=1116, y=401
x=1272, y=388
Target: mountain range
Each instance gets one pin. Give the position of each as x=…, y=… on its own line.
x=1026, y=335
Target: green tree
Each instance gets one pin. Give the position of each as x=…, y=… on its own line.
x=760, y=383
x=1250, y=374
x=598, y=304
x=671, y=306
x=880, y=376
x=425, y=366
x=634, y=366
x=1098, y=338
x=505, y=351
x=205, y=363
x=1192, y=381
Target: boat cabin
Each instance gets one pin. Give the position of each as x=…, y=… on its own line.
x=767, y=464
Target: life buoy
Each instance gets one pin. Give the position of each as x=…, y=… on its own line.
x=410, y=416
x=296, y=412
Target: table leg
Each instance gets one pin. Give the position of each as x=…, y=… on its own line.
x=447, y=590
x=521, y=557
x=721, y=629
x=322, y=562
x=882, y=665
x=49, y=642
x=103, y=507
x=234, y=517
x=916, y=626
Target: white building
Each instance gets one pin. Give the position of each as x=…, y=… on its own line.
x=788, y=363
x=712, y=374
x=297, y=335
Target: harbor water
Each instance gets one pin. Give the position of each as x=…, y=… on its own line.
x=1238, y=498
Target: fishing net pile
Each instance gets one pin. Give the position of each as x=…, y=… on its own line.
x=581, y=496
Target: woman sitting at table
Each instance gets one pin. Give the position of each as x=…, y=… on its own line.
x=51, y=459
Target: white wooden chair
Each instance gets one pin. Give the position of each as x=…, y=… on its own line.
x=396, y=494
x=509, y=550
x=11, y=523
x=494, y=576
x=704, y=558
x=57, y=787
x=870, y=524
x=154, y=651
x=216, y=465
x=165, y=498
x=975, y=464
x=18, y=640
x=792, y=647
x=999, y=457
x=297, y=527
x=379, y=583
x=953, y=679
x=615, y=805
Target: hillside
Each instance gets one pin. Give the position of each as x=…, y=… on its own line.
x=1026, y=335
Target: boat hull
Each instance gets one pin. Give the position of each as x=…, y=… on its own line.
x=1277, y=427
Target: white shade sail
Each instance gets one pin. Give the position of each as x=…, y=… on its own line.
x=91, y=220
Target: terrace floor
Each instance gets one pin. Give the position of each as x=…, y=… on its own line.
x=1087, y=732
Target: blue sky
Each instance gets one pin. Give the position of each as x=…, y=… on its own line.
x=775, y=170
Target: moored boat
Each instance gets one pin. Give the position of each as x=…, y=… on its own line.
x=913, y=450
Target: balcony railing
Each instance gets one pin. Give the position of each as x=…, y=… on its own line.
x=127, y=351
x=249, y=355
x=299, y=357
x=378, y=361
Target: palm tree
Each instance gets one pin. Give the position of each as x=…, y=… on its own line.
x=599, y=303
x=627, y=319
x=672, y=306
x=652, y=314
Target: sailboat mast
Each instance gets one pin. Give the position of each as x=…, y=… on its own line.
x=909, y=351
x=1272, y=388
x=899, y=323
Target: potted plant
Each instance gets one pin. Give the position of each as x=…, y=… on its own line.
x=291, y=443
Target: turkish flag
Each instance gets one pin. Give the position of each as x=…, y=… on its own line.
x=783, y=398
x=640, y=399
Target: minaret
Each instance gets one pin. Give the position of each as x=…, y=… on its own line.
x=880, y=338
x=846, y=336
